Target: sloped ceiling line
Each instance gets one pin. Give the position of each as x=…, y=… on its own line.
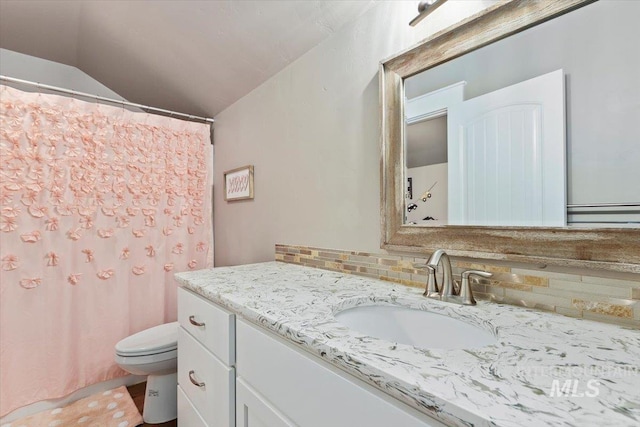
x=193, y=56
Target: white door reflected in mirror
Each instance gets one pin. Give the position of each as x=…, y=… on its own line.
x=507, y=156
x=501, y=155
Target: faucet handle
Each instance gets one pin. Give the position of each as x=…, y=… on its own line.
x=432, y=285
x=465, y=288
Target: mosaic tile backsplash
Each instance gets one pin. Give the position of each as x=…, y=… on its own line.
x=576, y=295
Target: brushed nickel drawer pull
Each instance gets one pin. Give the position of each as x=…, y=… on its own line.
x=193, y=321
x=193, y=380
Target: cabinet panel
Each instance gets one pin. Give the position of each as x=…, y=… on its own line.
x=206, y=381
x=187, y=414
x=312, y=393
x=253, y=410
x=217, y=330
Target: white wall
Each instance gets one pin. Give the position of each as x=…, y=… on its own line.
x=313, y=134
x=25, y=67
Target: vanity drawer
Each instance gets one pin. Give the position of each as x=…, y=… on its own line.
x=187, y=414
x=206, y=381
x=213, y=326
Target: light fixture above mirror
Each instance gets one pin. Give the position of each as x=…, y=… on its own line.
x=425, y=7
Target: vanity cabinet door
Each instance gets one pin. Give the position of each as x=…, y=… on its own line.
x=253, y=410
x=307, y=390
x=188, y=416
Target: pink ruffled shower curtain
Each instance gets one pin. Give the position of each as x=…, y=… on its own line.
x=99, y=208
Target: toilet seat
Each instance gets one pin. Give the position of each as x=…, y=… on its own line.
x=156, y=340
x=138, y=362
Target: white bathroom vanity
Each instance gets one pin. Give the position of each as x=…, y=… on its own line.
x=270, y=352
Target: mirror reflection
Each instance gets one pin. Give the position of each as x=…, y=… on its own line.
x=538, y=129
x=427, y=170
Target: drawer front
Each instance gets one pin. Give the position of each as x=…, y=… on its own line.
x=187, y=414
x=210, y=324
x=206, y=381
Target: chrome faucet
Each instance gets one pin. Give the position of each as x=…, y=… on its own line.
x=448, y=291
x=447, y=285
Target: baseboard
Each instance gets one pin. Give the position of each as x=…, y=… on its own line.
x=44, y=405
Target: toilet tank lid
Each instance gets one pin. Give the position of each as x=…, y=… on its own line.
x=153, y=340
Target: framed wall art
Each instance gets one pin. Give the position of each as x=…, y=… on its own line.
x=238, y=184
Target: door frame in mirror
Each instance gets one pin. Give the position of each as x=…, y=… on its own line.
x=615, y=249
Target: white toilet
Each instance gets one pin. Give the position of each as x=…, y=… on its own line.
x=154, y=352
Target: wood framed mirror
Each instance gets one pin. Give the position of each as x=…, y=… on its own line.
x=614, y=248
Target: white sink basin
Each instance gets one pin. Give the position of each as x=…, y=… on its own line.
x=419, y=328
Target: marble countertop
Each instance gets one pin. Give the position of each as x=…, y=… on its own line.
x=520, y=381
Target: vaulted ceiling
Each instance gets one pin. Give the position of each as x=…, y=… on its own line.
x=196, y=57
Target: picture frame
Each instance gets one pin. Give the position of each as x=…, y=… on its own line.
x=238, y=184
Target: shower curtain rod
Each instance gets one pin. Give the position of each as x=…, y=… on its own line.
x=102, y=98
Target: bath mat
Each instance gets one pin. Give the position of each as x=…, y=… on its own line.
x=113, y=408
